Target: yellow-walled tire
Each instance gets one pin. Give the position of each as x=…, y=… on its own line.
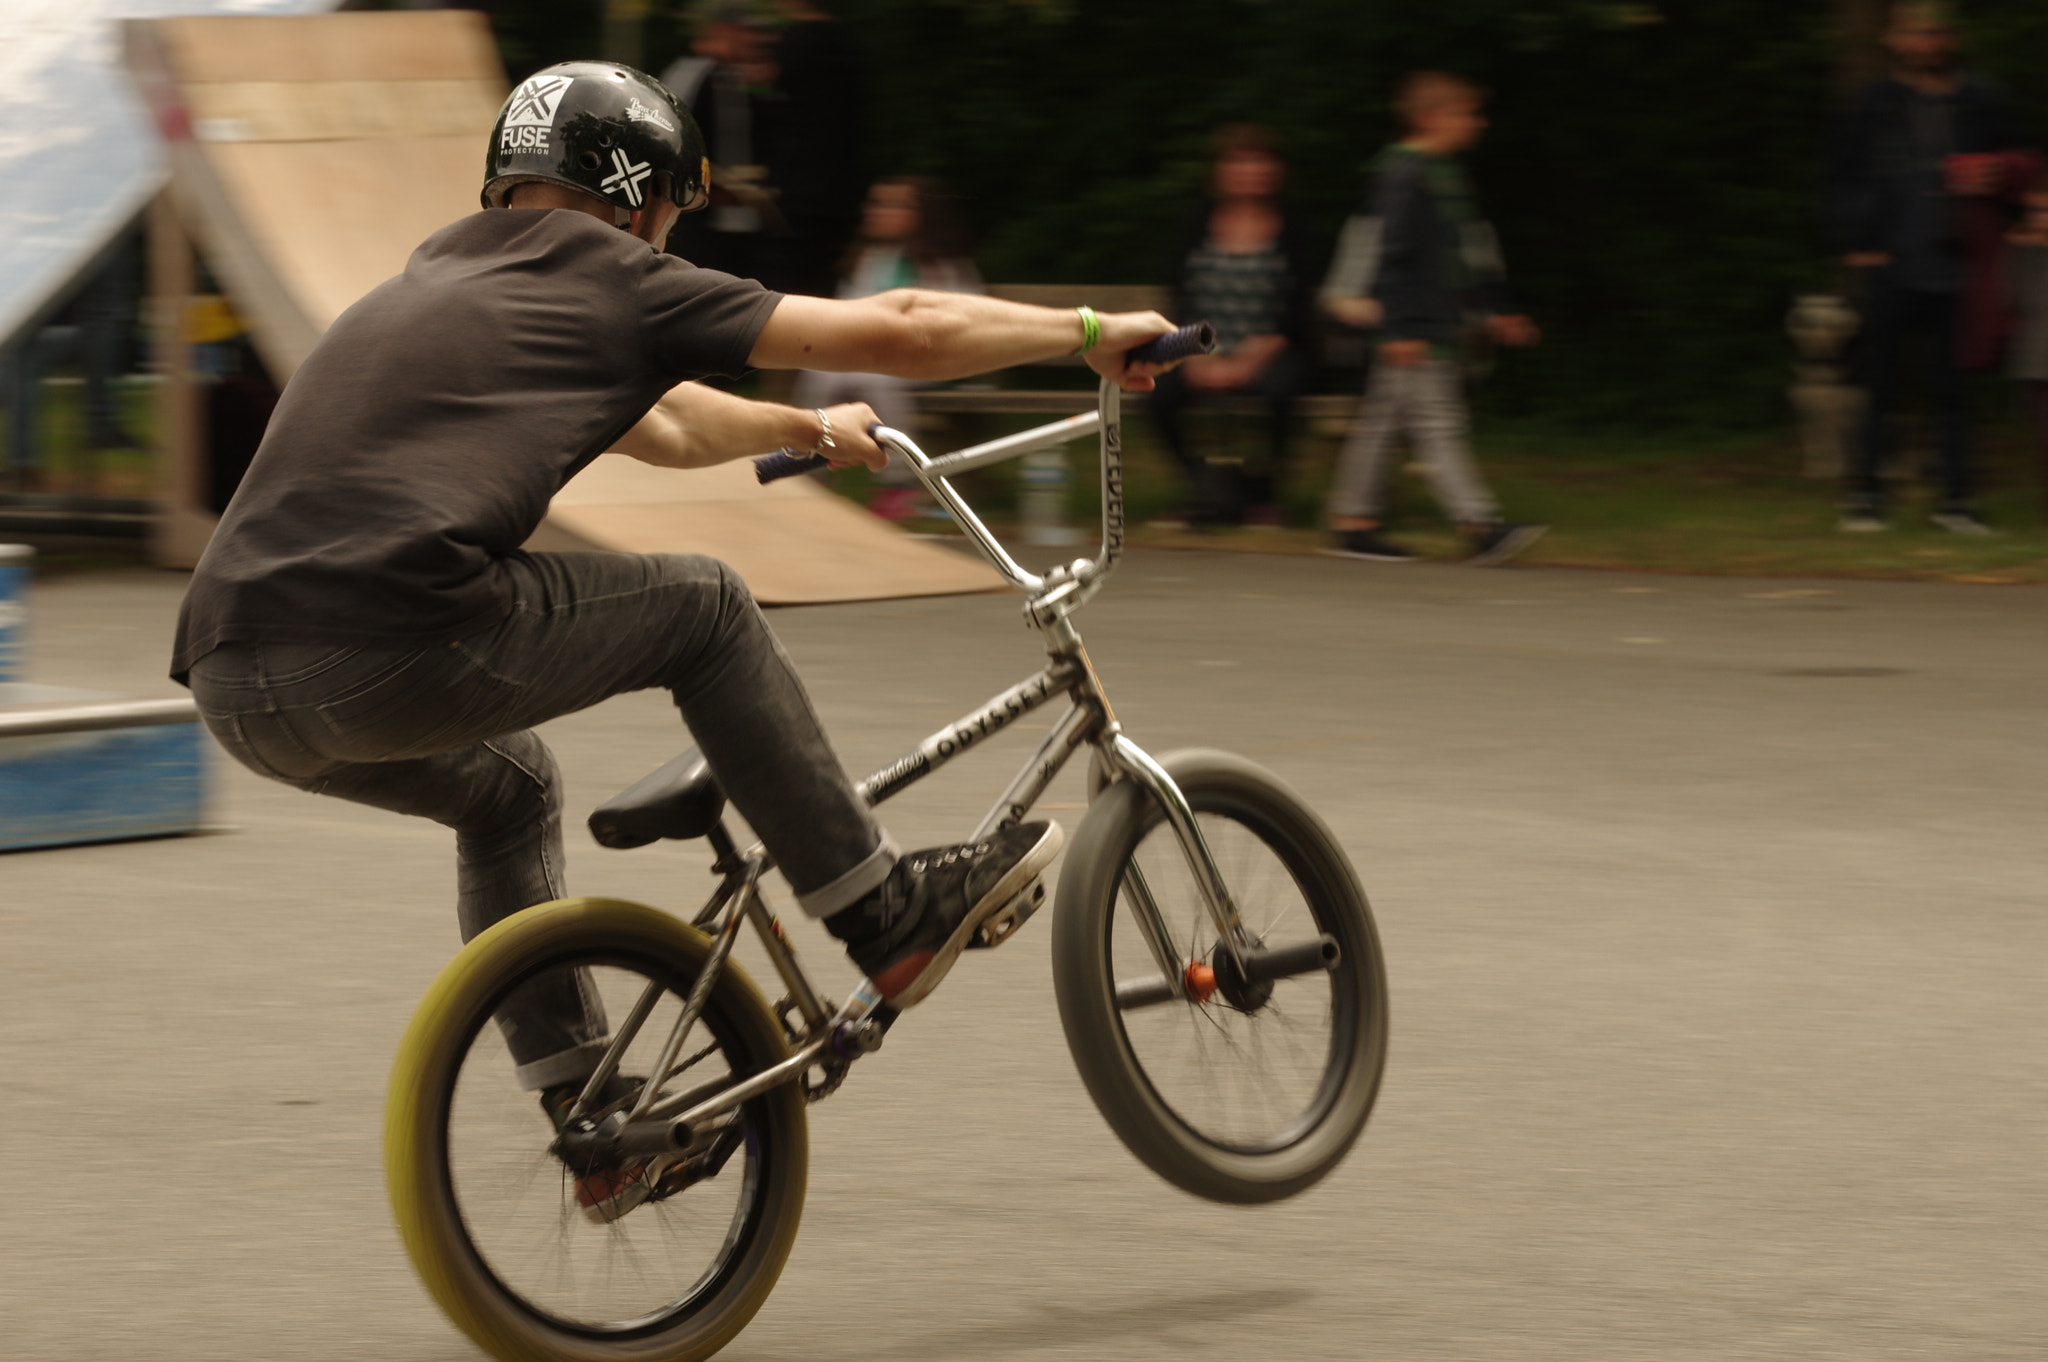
x=424, y=1200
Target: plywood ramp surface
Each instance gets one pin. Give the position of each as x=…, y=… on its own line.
x=311, y=154
x=418, y=45
x=792, y=542
x=305, y=207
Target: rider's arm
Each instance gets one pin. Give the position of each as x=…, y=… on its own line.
x=693, y=426
x=922, y=334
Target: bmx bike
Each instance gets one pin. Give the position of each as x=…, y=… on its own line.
x=1217, y=971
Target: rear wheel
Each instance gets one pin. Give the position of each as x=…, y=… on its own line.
x=1234, y=1089
x=502, y=1231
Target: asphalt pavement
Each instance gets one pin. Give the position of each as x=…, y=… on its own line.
x=1716, y=914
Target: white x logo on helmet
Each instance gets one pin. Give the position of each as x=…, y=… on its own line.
x=627, y=175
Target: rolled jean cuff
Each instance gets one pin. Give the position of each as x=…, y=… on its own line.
x=854, y=885
x=563, y=1066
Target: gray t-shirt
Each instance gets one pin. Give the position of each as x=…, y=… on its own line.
x=420, y=443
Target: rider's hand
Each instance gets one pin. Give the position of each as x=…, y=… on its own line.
x=851, y=442
x=1121, y=331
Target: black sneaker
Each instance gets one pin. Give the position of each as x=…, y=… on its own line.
x=908, y=933
x=605, y=1194
x=1961, y=520
x=1498, y=543
x=1369, y=545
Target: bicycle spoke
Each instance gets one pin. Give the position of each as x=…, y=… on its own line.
x=1241, y=1076
x=520, y=1205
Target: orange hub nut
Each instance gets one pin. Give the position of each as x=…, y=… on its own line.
x=1199, y=980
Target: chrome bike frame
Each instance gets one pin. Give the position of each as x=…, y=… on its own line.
x=830, y=1039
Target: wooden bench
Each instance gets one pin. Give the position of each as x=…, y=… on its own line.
x=985, y=398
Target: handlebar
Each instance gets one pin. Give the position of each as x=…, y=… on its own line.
x=1197, y=338
x=784, y=463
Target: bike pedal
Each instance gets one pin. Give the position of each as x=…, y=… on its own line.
x=1004, y=922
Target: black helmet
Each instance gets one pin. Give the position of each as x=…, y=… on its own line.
x=606, y=129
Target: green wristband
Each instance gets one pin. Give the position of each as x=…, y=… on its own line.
x=1091, y=329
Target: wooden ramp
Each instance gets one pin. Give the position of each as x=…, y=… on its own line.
x=309, y=156
x=793, y=542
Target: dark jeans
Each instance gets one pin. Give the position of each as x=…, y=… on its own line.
x=1893, y=319
x=445, y=733
x=1278, y=386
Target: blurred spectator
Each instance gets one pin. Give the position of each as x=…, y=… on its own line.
x=2026, y=276
x=1347, y=285
x=1241, y=266
x=774, y=86
x=724, y=83
x=1437, y=265
x=1905, y=159
x=810, y=143
x=910, y=238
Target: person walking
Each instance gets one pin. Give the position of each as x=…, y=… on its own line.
x=1437, y=264
x=1914, y=144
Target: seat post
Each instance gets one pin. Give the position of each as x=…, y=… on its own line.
x=722, y=845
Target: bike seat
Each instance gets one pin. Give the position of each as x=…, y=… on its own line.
x=681, y=800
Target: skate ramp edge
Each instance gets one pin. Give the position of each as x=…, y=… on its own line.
x=311, y=154
x=792, y=542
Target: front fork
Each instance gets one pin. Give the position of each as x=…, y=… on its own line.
x=1122, y=755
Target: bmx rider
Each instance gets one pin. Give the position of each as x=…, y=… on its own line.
x=365, y=625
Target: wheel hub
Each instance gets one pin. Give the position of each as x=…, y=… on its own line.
x=1246, y=995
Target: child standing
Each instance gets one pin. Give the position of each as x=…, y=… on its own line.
x=1438, y=264
x=2026, y=263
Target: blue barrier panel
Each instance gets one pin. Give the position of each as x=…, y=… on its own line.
x=99, y=770
x=15, y=570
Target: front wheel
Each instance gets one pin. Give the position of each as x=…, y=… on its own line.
x=1234, y=1090
x=509, y=1238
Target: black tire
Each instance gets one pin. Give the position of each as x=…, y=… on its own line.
x=1175, y=1122
x=460, y=1149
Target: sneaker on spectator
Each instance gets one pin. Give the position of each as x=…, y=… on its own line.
x=1860, y=520
x=1961, y=522
x=1498, y=543
x=1369, y=545
x=1265, y=518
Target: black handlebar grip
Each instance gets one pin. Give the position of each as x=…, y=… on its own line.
x=1196, y=338
x=786, y=464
